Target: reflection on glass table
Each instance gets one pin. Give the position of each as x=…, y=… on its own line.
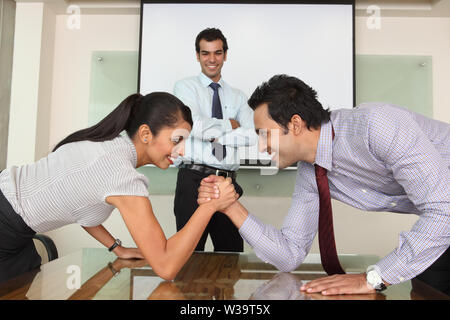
x=283, y=286
x=98, y=275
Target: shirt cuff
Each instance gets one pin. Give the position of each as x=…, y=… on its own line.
x=251, y=230
x=227, y=127
x=389, y=273
x=394, y=271
x=398, y=267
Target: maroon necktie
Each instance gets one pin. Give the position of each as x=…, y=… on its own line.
x=327, y=245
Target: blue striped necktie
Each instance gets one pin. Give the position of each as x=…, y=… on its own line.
x=218, y=150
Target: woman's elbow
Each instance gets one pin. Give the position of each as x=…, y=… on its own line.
x=166, y=273
x=167, y=276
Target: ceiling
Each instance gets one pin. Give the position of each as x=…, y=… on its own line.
x=388, y=8
x=405, y=8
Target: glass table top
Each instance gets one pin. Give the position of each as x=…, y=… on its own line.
x=97, y=274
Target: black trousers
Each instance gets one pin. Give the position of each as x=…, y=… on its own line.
x=438, y=274
x=17, y=251
x=224, y=235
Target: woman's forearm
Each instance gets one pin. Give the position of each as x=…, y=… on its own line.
x=101, y=235
x=167, y=256
x=180, y=246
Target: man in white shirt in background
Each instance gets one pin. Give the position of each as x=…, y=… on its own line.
x=223, y=121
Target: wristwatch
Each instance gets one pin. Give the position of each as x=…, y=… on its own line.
x=374, y=280
x=116, y=243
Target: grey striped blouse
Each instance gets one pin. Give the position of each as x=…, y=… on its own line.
x=71, y=184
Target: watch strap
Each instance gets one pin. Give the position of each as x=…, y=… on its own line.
x=379, y=286
x=115, y=244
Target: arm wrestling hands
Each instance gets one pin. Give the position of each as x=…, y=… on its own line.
x=211, y=188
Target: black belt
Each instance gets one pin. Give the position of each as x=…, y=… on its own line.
x=209, y=170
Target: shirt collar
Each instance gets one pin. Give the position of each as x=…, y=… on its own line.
x=206, y=81
x=325, y=146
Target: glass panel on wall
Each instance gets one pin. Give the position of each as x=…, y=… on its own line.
x=113, y=78
x=397, y=79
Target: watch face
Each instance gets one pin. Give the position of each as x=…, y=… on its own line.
x=373, y=278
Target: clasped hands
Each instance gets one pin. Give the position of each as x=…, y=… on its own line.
x=217, y=191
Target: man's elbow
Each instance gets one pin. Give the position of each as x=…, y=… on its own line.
x=287, y=267
x=289, y=264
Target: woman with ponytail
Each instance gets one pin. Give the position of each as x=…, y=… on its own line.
x=93, y=171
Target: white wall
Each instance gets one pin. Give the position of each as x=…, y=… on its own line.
x=356, y=231
x=25, y=74
x=72, y=65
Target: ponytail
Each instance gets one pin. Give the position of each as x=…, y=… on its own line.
x=108, y=128
x=157, y=110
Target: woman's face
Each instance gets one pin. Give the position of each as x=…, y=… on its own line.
x=168, y=144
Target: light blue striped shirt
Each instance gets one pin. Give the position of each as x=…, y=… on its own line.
x=197, y=95
x=383, y=158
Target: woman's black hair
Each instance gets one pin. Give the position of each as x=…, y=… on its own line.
x=286, y=96
x=157, y=110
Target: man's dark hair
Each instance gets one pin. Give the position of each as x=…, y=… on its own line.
x=211, y=34
x=287, y=96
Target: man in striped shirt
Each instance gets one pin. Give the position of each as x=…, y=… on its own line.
x=380, y=158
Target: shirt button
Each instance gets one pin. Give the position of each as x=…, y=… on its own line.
x=364, y=190
x=393, y=204
x=401, y=278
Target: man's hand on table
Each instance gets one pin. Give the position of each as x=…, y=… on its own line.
x=339, y=284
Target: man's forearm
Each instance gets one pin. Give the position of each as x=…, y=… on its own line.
x=237, y=213
x=206, y=129
x=239, y=137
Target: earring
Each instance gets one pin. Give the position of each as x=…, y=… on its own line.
x=145, y=140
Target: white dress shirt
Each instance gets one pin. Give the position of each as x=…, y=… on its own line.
x=197, y=95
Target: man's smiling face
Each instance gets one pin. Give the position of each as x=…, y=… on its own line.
x=211, y=58
x=274, y=139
